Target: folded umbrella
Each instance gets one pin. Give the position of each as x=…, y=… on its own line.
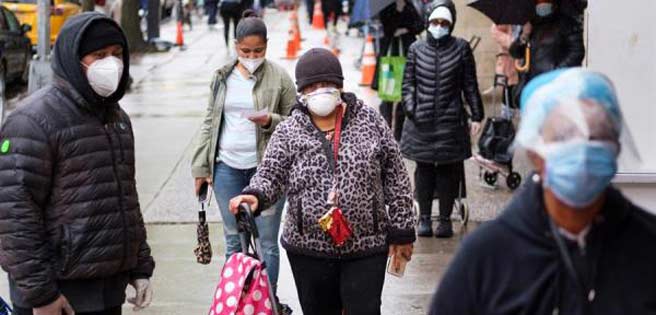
x=515, y=12
x=203, y=250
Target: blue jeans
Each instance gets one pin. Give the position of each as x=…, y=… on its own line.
x=229, y=183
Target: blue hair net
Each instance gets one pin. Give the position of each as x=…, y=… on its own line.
x=566, y=90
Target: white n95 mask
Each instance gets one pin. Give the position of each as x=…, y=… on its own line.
x=104, y=75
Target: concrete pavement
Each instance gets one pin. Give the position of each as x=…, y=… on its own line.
x=167, y=104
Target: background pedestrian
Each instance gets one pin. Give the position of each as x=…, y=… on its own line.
x=440, y=73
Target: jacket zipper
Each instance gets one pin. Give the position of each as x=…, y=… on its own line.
x=120, y=199
x=66, y=234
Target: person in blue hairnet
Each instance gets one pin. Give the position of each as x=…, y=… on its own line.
x=569, y=242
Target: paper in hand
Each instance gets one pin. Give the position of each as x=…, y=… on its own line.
x=253, y=114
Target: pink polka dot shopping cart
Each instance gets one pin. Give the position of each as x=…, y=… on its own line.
x=244, y=287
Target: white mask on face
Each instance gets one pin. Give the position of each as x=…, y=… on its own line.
x=438, y=31
x=544, y=9
x=251, y=64
x=104, y=75
x=323, y=101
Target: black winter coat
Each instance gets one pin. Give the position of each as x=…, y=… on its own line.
x=556, y=42
x=70, y=221
x=512, y=265
x=438, y=75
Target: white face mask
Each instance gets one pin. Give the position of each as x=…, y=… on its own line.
x=323, y=101
x=544, y=9
x=438, y=31
x=251, y=64
x=104, y=75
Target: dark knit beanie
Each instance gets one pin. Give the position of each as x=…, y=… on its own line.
x=99, y=35
x=318, y=65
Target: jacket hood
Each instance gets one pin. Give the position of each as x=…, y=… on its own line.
x=526, y=214
x=441, y=3
x=67, y=65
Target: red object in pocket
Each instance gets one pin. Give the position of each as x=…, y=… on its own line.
x=335, y=224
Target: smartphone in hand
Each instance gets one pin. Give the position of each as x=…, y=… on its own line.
x=396, y=265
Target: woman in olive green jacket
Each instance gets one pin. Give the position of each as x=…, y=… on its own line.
x=249, y=98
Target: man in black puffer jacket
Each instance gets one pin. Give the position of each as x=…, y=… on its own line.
x=71, y=231
x=439, y=73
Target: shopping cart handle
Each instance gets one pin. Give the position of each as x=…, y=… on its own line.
x=246, y=220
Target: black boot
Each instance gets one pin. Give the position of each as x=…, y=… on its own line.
x=444, y=228
x=425, y=226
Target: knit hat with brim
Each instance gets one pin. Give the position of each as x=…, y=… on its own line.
x=318, y=65
x=99, y=35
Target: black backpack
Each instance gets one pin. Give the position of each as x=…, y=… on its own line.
x=494, y=144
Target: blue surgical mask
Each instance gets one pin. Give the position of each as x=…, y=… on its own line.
x=438, y=31
x=579, y=172
x=544, y=9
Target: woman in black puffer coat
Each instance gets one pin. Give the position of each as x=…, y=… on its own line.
x=439, y=73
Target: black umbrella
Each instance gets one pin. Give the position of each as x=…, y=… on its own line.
x=376, y=6
x=519, y=12
x=505, y=11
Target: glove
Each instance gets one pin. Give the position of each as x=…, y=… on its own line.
x=144, y=294
x=58, y=307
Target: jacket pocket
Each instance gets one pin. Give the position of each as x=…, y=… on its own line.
x=66, y=250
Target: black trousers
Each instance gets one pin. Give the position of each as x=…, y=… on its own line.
x=230, y=12
x=211, y=7
x=330, y=286
x=111, y=311
x=444, y=181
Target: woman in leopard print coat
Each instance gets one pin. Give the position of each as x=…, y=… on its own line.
x=373, y=189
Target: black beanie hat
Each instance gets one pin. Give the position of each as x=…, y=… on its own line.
x=318, y=65
x=99, y=35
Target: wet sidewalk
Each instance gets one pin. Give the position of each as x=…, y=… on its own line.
x=167, y=104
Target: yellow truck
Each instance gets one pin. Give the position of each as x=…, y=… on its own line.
x=26, y=11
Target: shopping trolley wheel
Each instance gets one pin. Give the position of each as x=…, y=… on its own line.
x=514, y=180
x=490, y=178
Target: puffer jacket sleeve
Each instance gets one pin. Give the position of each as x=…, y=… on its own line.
x=409, y=90
x=470, y=88
x=145, y=261
x=270, y=180
x=572, y=33
x=26, y=169
x=396, y=189
x=287, y=102
x=200, y=166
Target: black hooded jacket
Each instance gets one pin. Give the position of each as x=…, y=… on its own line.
x=512, y=265
x=70, y=221
x=439, y=73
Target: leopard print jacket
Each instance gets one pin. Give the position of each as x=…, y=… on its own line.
x=373, y=183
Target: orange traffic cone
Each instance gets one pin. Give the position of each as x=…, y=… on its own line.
x=318, y=22
x=179, y=38
x=368, y=62
x=292, y=49
x=297, y=30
